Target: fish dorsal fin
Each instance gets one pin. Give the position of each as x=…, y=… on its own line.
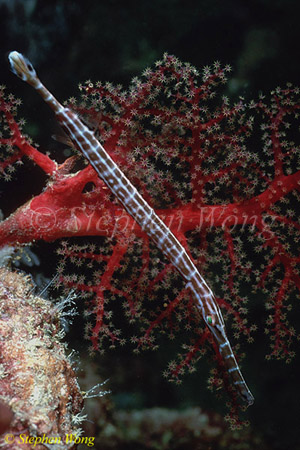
x=63, y=139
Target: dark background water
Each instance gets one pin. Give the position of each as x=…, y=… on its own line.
x=71, y=41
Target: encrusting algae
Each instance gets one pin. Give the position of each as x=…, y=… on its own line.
x=38, y=386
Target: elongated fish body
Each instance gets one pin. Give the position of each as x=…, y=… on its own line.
x=143, y=214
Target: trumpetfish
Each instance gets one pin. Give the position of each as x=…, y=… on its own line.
x=135, y=205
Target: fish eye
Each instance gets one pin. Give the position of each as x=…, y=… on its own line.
x=29, y=65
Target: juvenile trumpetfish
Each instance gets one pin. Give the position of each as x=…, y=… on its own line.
x=85, y=141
